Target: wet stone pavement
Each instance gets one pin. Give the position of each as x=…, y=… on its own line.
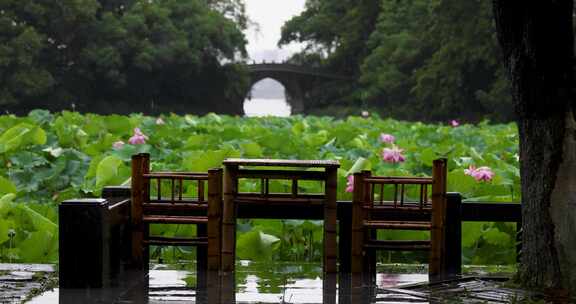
x=20, y=281
x=466, y=290
x=279, y=283
x=463, y=290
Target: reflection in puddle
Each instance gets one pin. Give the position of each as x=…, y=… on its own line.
x=255, y=283
x=169, y=278
x=291, y=283
x=387, y=280
x=292, y=291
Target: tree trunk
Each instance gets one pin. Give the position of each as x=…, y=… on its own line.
x=538, y=46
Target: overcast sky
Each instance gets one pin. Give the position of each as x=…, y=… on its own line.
x=270, y=15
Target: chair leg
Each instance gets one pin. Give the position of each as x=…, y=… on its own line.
x=370, y=262
x=373, y=271
x=357, y=258
x=367, y=268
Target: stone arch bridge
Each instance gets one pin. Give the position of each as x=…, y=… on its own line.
x=298, y=81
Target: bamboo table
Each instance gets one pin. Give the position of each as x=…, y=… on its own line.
x=324, y=171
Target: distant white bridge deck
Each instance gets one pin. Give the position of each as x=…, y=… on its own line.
x=273, y=67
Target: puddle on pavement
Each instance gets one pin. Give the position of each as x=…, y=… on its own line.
x=255, y=283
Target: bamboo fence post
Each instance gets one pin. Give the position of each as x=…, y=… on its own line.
x=146, y=170
x=329, y=288
x=437, y=265
x=145, y=199
x=214, y=218
x=227, y=288
x=229, y=218
x=213, y=289
x=330, y=221
x=357, y=256
x=136, y=212
x=369, y=255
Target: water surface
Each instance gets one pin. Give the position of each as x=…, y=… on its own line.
x=256, y=107
x=255, y=283
x=276, y=282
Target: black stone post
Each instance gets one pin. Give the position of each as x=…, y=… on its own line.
x=453, y=238
x=119, y=231
x=116, y=193
x=84, y=243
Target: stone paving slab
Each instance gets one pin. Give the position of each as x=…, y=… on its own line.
x=27, y=267
x=166, y=286
x=476, y=290
x=18, y=281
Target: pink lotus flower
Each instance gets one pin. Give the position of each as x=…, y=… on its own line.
x=393, y=155
x=471, y=169
x=138, y=138
x=117, y=145
x=387, y=138
x=480, y=174
x=350, y=183
x=160, y=121
x=454, y=123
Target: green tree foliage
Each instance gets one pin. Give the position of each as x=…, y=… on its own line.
x=336, y=29
x=414, y=59
x=90, y=51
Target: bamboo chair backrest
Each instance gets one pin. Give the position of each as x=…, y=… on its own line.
x=294, y=178
x=393, y=192
x=199, y=191
x=167, y=187
x=400, y=192
x=182, y=187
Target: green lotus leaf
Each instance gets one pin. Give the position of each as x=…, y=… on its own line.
x=6, y=186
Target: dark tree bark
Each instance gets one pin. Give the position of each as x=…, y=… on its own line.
x=538, y=46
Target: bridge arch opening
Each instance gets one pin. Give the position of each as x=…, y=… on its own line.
x=267, y=97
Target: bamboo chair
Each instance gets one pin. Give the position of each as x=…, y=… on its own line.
x=176, y=198
x=385, y=203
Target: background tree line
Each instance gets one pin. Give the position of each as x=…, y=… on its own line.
x=413, y=59
x=120, y=55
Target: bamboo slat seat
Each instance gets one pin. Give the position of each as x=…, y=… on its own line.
x=181, y=208
x=397, y=225
x=172, y=241
x=395, y=203
x=187, y=198
x=163, y=219
x=401, y=245
x=280, y=200
x=183, y=203
x=407, y=206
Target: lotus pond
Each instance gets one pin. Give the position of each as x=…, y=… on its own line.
x=46, y=158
